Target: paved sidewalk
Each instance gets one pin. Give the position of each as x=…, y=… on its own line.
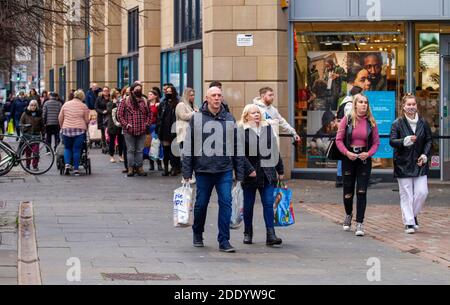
x=8, y=242
x=114, y=224
x=384, y=223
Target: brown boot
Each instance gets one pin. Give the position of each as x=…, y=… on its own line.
x=141, y=172
x=130, y=172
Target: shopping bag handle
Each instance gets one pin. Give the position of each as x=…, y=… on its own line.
x=281, y=184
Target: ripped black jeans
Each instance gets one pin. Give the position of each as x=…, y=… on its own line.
x=356, y=172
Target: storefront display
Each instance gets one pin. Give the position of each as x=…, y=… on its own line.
x=328, y=65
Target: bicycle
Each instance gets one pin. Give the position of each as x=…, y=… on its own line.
x=32, y=150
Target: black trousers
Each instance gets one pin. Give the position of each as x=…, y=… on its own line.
x=125, y=154
x=52, y=130
x=356, y=173
x=112, y=144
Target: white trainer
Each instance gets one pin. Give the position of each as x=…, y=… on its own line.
x=359, y=229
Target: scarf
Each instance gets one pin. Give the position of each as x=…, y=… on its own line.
x=413, y=123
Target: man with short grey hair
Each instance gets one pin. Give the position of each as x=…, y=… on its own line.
x=213, y=166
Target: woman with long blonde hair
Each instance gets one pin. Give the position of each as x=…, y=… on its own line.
x=358, y=140
x=263, y=168
x=411, y=140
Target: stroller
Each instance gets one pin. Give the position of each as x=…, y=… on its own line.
x=85, y=161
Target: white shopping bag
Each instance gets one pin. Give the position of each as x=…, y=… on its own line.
x=182, y=206
x=154, y=149
x=237, y=208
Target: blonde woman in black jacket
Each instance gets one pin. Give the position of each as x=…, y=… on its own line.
x=263, y=168
x=411, y=140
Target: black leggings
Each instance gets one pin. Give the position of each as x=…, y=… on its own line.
x=52, y=130
x=175, y=162
x=356, y=172
x=112, y=144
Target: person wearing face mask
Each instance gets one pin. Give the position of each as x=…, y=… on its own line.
x=166, y=119
x=411, y=139
x=102, y=114
x=32, y=118
x=135, y=117
x=358, y=140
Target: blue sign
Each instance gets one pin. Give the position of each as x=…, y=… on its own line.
x=382, y=104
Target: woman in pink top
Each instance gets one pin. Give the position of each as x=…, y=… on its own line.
x=73, y=119
x=358, y=140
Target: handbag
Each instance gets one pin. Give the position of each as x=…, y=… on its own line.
x=333, y=153
x=283, y=207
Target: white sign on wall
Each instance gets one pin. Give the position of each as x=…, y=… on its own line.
x=244, y=40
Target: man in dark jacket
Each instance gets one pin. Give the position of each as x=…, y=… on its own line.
x=50, y=113
x=213, y=164
x=92, y=95
x=18, y=108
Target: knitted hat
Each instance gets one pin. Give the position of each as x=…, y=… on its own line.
x=134, y=85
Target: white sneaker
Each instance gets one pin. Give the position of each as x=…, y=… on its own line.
x=359, y=229
x=347, y=223
x=409, y=229
x=416, y=226
x=112, y=160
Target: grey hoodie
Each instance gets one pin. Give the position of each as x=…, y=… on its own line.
x=273, y=117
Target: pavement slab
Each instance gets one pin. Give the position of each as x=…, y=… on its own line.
x=115, y=224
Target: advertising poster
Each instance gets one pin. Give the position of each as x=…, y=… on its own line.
x=331, y=77
x=382, y=104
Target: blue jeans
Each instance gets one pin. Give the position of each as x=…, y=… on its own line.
x=267, y=200
x=223, y=183
x=72, y=149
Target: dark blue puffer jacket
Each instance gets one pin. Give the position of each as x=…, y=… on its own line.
x=18, y=108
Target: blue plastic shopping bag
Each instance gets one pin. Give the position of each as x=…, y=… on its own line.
x=282, y=207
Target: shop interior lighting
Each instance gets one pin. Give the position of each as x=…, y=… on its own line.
x=328, y=42
x=347, y=33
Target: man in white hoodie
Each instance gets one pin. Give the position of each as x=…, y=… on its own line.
x=271, y=114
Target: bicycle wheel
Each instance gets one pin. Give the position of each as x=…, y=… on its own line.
x=36, y=157
x=6, y=160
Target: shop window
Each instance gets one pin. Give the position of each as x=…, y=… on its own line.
x=62, y=83
x=128, y=69
x=428, y=78
x=51, y=78
x=187, y=20
x=83, y=74
x=183, y=68
x=133, y=30
x=330, y=60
